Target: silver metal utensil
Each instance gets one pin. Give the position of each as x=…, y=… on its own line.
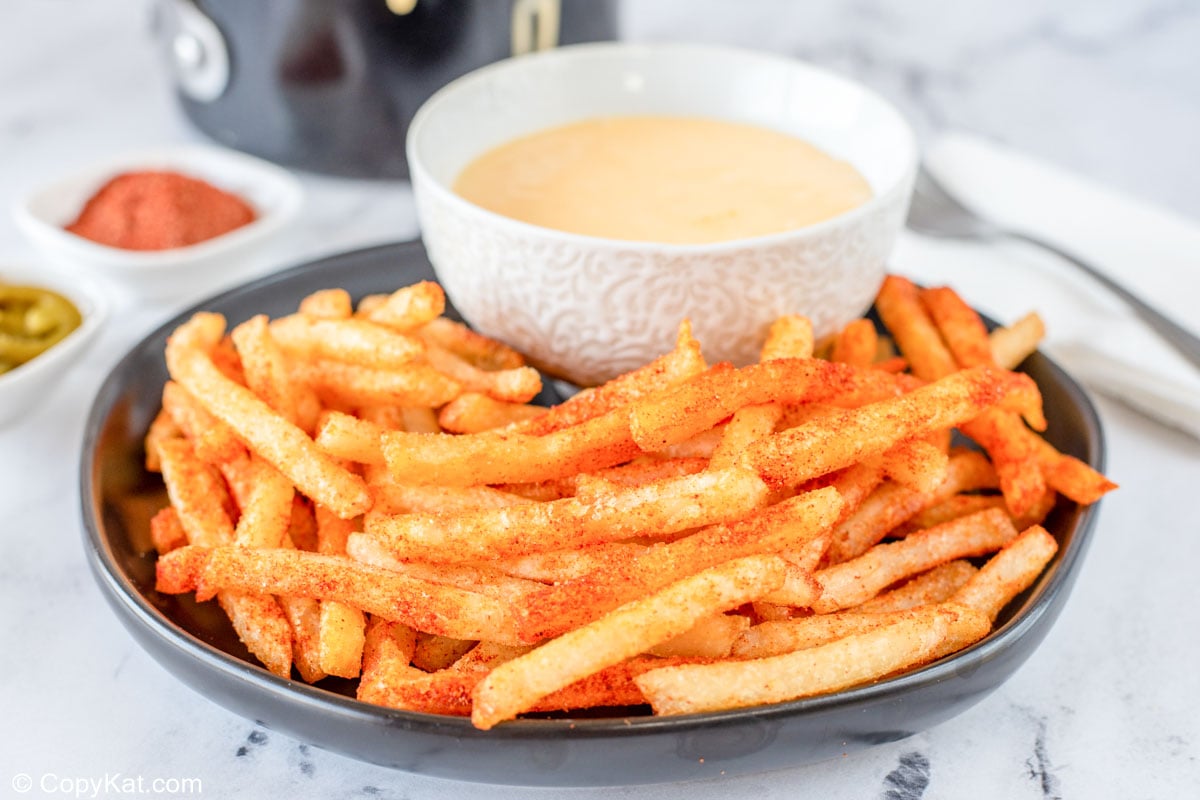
x=935, y=212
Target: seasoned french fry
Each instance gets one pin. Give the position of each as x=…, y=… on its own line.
x=162, y=428
x=166, y=531
x=840, y=664
x=917, y=464
x=432, y=607
x=853, y=582
x=410, y=307
x=663, y=507
x=934, y=586
x=516, y=385
x=961, y=327
x=710, y=637
x=198, y=495
x=472, y=412
x=482, y=352
x=749, y=424
x=700, y=403
x=856, y=344
x=790, y=336
x=683, y=362
x=350, y=438
x=213, y=440
x=1013, y=344
x=416, y=385
x=517, y=685
x=899, y=305
x=435, y=652
x=265, y=367
x=273, y=437
x=1008, y=573
x=353, y=341
x=504, y=457
x=327, y=304
x=808, y=450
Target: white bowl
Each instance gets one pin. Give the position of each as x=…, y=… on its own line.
x=186, y=271
x=588, y=308
x=25, y=386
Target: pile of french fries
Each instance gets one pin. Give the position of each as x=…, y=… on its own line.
x=368, y=493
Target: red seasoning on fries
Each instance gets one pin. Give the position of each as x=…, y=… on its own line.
x=368, y=493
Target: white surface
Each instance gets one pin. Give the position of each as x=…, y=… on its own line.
x=588, y=309
x=1108, y=707
x=190, y=271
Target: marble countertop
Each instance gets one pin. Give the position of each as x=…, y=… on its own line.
x=1109, y=705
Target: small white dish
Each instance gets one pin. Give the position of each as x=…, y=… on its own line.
x=24, y=386
x=587, y=308
x=274, y=193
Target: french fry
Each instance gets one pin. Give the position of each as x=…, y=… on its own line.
x=790, y=336
x=701, y=402
x=265, y=367
x=435, y=652
x=162, y=428
x=353, y=341
x=350, y=438
x=416, y=385
x=410, y=307
x=390, y=497
x=473, y=412
x=1013, y=344
x=482, y=352
x=936, y=585
x=899, y=306
x=198, y=495
x=504, y=457
x=517, y=685
x=662, y=507
x=838, y=665
x=961, y=327
x=892, y=504
x=856, y=344
x=776, y=637
x=683, y=362
x=432, y=607
x=213, y=440
x=617, y=576
x=516, y=385
x=273, y=437
x=166, y=531
x=806, y=451
x=1008, y=573
x=710, y=638
x=327, y=304
x=853, y=582
x=749, y=424
x=917, y=464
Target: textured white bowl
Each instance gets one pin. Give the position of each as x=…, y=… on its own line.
x=587, y=308
x=179, y=272
x=25, y=386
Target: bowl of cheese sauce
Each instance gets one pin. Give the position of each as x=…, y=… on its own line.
x=578, y=204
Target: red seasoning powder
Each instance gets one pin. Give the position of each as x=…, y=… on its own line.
x=158, y=211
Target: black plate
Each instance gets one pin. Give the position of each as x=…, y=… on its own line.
x=195, y=642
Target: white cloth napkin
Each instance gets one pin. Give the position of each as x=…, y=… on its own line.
x=1092, y=334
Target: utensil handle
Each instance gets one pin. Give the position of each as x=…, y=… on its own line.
x=1185, y=342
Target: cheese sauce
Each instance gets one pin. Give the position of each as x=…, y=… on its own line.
x=679, y=180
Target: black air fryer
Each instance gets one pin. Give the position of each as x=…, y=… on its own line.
x=330, y=85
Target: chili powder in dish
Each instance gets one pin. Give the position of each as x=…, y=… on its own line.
x=159, y=211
